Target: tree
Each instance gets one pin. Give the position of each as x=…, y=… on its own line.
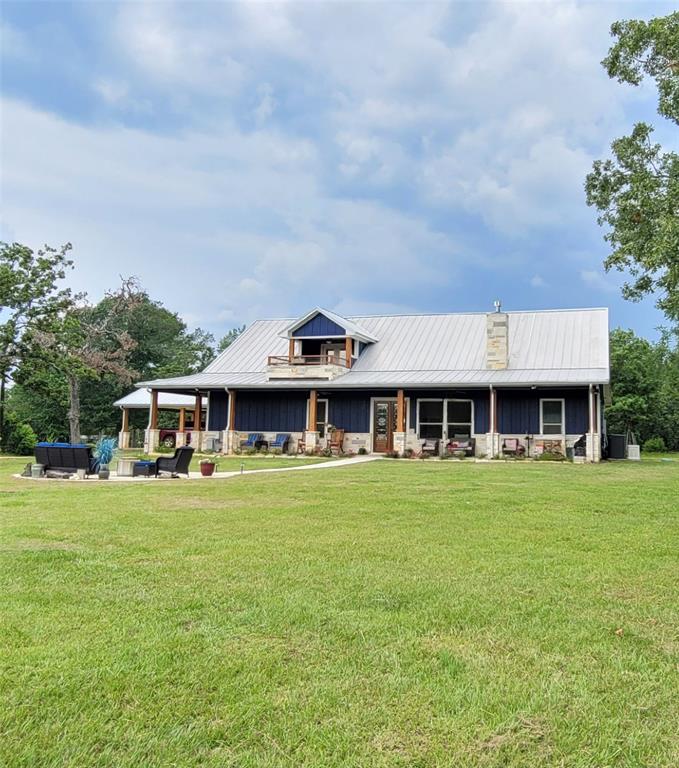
x=162, y=347
x=645, y=386
x=637, y=191
x=30, y=298
x=228, y=338
x=81, y=344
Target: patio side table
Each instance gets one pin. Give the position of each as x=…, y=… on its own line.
x=125, y=467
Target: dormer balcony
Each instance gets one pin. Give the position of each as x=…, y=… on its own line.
x=326, y=366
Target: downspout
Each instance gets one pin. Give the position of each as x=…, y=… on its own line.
x=148, y=425
x=492, y=417
x=228, y=412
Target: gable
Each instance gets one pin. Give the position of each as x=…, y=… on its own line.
x=319, y=325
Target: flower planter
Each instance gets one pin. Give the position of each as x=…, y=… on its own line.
x=206, y=470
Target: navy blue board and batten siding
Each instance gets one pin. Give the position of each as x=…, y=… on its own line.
x=349, y=411
x=319, y=325
x=519, y=410
x=271, y=411
x=218, y=410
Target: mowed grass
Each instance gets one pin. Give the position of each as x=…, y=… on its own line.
x=232, y=463
x=387, y=614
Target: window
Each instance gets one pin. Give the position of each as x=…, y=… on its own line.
x=460, y=418
x=430, y=418
x=321, y=417
x=552, y=417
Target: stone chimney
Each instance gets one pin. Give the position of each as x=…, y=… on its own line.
x=497, y=339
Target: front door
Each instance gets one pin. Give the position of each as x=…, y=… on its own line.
x=384, y=426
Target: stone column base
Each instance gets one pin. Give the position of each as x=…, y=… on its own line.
x=593, y=447
x=311, y=441
x=180, y=439
x=151, y=440
x=230, y=441
x=399, y=441
x=123, y=440
x=197, y=441
x=492, y=444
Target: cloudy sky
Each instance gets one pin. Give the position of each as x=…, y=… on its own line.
x=254, y=160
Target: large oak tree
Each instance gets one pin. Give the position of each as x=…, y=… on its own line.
x=636, y=191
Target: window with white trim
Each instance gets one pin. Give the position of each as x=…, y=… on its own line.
x=436, y=418
x=460, y=414
x=430, y=419
x=552, y=417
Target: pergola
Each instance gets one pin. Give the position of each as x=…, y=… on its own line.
x=154, y=401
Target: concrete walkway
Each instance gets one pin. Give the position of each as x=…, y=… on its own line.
x=219, y=475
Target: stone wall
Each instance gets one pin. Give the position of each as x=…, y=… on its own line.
x=497, y=340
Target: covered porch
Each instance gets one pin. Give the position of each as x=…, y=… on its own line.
x=190, y=409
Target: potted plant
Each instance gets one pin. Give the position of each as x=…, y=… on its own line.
x=103, y=452
x=207, y=467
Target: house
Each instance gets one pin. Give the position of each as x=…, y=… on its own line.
x=390, y=381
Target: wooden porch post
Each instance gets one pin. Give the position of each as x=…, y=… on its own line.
x=182, y=419
x=291, y=350
x=196, y=413
x=400, y=411
x=348, y=345
x=232, y=411
x=153, y=421
x=313, y=402
x=126, y=421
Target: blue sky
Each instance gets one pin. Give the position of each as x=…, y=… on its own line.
x=253, y=160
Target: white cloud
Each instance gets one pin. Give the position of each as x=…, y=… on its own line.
x=267, y=104
x=382, y=153
x=131, y=202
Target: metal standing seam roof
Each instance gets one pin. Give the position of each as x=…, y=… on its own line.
x=141, y=398
x=545, y=347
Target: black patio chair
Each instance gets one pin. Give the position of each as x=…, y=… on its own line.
x=177, y=464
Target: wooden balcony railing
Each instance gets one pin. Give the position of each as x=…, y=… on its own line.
x=307, y=360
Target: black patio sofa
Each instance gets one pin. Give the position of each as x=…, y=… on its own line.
x=66, y=457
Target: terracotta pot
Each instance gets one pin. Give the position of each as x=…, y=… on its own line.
x=206, y=470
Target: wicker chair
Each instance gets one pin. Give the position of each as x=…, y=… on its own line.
x=177, y=464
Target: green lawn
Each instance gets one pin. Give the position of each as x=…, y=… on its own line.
x=387, y=614
x=233, y=463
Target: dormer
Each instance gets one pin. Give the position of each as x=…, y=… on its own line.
x=321, y=345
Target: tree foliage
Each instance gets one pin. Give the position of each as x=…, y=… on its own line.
x=229, y=337
x=100, y=349
x=637, y=190
x=81, y=344
x=31, y=297
x=645, y=387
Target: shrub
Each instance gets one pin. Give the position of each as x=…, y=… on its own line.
x=392, y=454
x=251, y=451
x=408, y=453
x=18, y=437
x=362, y=451
x=276, y=451
x=654, y=445
x=548, y=456
x=326, y=452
